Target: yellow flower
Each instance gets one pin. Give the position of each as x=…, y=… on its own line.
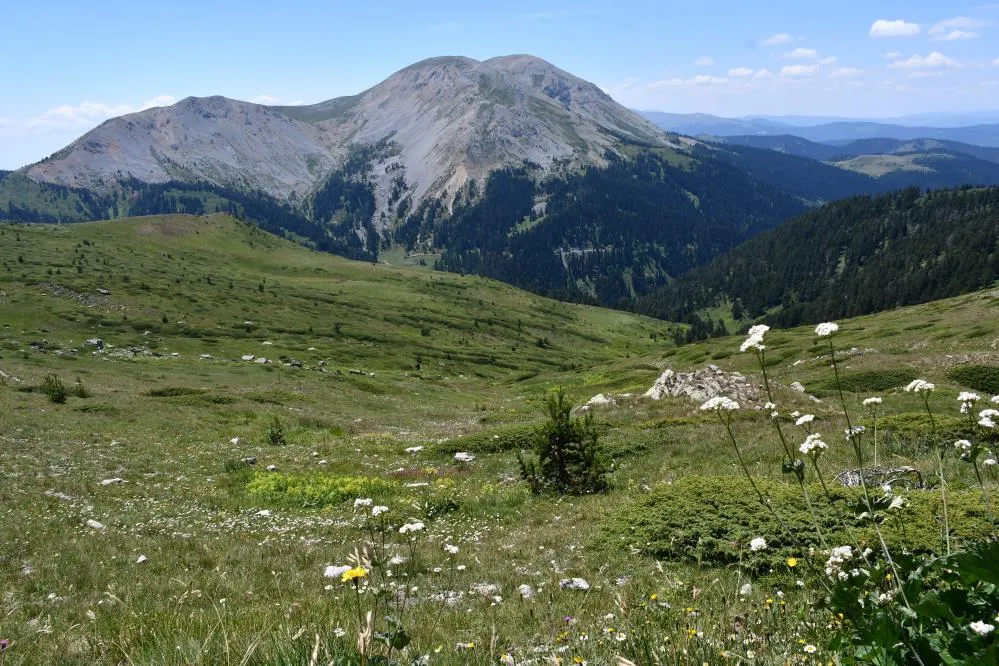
x=653, y=597
x=353, y=574
x=792, y=562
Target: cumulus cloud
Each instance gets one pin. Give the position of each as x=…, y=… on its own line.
x=264, y=99
x=778, y=39
x=798, y=70
x=740, y=72
x=828, y=60
x=955, y=35
x=934, y=60
x=704, y=61
x=802, y=54
x=845, y=72
x=893, y=55
x=87, y=114
x=896, y=28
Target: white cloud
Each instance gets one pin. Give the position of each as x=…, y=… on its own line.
x=802, y=54
x=893, y=55
x=264, y=99
x=896, y=28
x=932, y=61
x=763, y=74
x=996, y=62
x=699, y=80
x=798, y=70
x=88, y=114
x=740, y=72
x=6, y=122
x=959, y=27
x=828, y=60
x=955, y=35
x=845, y=72
x=924, y=74
x=778, y=39
x=704, y=61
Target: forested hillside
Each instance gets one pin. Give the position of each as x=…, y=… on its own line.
x=848, y=258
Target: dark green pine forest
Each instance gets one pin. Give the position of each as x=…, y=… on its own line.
x=852, y=257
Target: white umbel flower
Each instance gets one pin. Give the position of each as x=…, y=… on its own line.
x=720, y=403
x=758, y=544
x=813, y=445
x=804, y=418
x=870, y=402
x=919, y=386
x=826, y=329
x=982, y=628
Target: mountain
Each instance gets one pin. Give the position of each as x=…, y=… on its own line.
x=841, y=131
x=851, y=257
x=441, y=122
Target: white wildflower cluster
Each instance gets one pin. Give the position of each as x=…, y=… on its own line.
x=855, y=431
x=363, y=501
x=755, y=339
x=813, y=445
x=772, y=408
x=378, y=510
x=919, y=386
x=964, y=448
x=826, y=329
x=967, y=400
x=995, y=399
x=412, y=528
x=872, y=402
x=451, y=549
x=987, y=418
x=335, y=571
x=464, y=457
x=758, y=544
x=804, y=419
x=982, y=628
x=720, y=403
x=838, y=559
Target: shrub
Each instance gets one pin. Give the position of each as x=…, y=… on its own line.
x=318, y=490
x=983, y=378
x=79, y=390
x=568, y=456
x=875, y=381
x=494, y=440
x=275, y=432
x=711, y=520
x=53, y=387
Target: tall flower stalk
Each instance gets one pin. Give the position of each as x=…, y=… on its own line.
x=923, y=389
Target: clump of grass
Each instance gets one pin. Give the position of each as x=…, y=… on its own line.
x=53, y=387
x=316, y=490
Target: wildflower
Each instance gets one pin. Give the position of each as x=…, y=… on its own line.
x=335, y=571
x=397, y=560
x=414, y=449
x=758, y=544
x=995, y=399
x=989, y=461
x=963, y=447
x=507, y=659
x=982, y=628
x=720, y=403
x=755, y=339
x=897, y=502
x=919, y=386
x=967, y=400
x=451, y=550
x=810, y=649
x=837, y=558
x=792, y=562
x=4, y=644
x=526, y=591
x=986, y=422
x=826, y=329
x=870, y=402
x=363, y=501
x=804, y=418
x=339, y=632
x=461, y=647
x=854, y=431
x=415, y=526
x=354, y=574
x=464, y=457
x=813, y=445
x=379, y=510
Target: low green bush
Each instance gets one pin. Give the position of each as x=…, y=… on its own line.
x=874, y=381
x=983, y=378
x=316, y=490
x=493, y=440
x=711, y=520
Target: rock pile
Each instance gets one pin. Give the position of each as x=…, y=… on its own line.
x=702, y=384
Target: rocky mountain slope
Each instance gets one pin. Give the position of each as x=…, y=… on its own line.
x=440, y=123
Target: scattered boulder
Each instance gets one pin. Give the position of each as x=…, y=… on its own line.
x=247, y=357
x=110, y=482
x=797, y=386
x=95, y=525
x=579, y=584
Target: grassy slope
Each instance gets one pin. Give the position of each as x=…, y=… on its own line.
x=222, y=582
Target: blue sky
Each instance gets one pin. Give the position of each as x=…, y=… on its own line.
x=69, y=65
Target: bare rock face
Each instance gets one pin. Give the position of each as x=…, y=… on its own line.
x=447, y=120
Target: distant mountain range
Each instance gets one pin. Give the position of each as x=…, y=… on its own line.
x=701, y=124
